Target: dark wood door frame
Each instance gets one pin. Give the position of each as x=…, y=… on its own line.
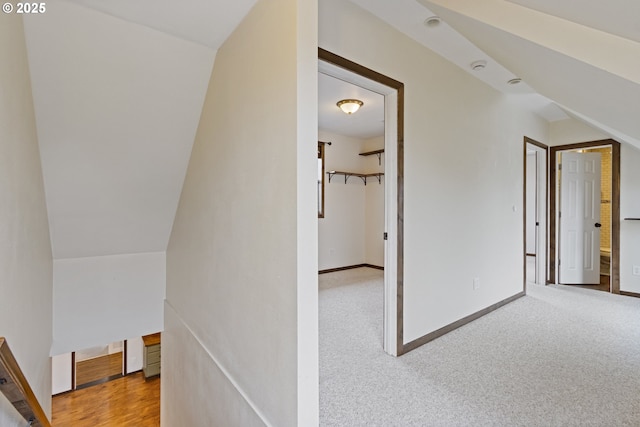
x=528, y=141
x=615, y=207
x=332, y=58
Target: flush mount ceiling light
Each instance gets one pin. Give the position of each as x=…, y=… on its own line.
x=350, y=106
x=515, y=81
x=432, y=21
x=478, y=65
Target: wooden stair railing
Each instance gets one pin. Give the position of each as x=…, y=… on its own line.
x=16, y=389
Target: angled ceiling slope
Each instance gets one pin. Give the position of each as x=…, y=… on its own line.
x=117, y=106
x=589, y=71
x=207, y=22
x=415, y=21
x=618, y=17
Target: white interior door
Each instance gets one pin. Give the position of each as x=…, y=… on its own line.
x=536, y=214
x=541, y=215
x=580, y=218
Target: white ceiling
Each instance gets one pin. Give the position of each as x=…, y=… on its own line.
x=619, y=17
x=367, y=122
x=590, y=73
x=117, y=106
x=118, y=88
x=408, y=17
x=207, y=22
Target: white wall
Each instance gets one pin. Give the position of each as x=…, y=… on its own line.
x=341, y=233
x=99, y=300
x=240, y=340
x=571, y=131
x=463, y=172
x=629, y=208
x=118, y=105
x=374, y=205
x=9, y=416
x=61, y=373
x=25, y=248
x=135, y=347
x=351, y=231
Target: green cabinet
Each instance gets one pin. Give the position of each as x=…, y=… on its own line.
x=151, y=355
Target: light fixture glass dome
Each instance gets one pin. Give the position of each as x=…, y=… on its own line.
x=432, y=21
x=350, y=106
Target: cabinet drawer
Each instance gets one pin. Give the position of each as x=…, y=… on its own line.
x=152, y=369
x=153, y=357
x=153, y=349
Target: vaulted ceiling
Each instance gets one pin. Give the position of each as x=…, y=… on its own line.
x=118, y=88
x=582, y=55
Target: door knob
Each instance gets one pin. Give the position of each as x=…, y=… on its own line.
x=598, y=225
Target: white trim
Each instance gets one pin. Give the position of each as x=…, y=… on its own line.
x=391, y=223
x=541, y=212
x=542, y=229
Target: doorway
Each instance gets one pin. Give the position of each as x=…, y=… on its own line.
x=393, y=92
x=96, y=365
x=535, y=211
x=576, y=253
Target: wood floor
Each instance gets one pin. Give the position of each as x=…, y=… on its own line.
x=127, y=401
x=98, y=368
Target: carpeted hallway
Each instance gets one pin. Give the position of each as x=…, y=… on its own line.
x=560, y=356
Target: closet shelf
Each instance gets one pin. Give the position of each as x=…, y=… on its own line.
x=374, y=152
x=363, y=176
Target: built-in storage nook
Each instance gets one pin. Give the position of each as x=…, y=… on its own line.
x=351, y=231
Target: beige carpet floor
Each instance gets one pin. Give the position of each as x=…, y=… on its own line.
x=560, y=356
